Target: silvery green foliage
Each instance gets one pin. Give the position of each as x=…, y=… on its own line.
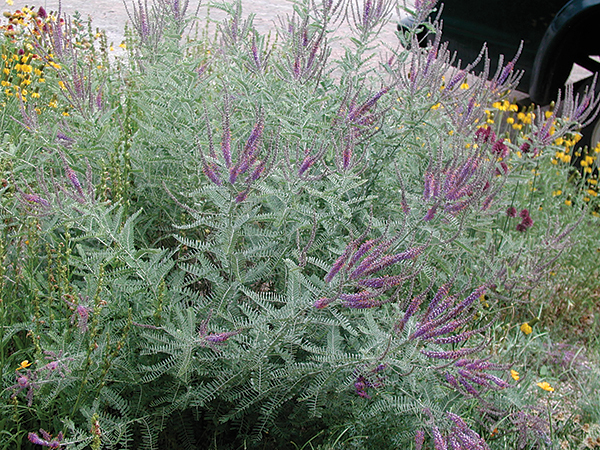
x=282, y=238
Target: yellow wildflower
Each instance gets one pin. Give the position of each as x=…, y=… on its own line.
x=526, y=328
x=515, y=375
x=24, y=365
x=545, y=386
x=568, y=202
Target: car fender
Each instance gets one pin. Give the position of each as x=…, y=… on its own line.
x=555, y=54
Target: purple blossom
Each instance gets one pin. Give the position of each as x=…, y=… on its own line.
x=364, y=303
x=469, y=387
x=485, y=134
x=438, y=440
x=500, y=149
x=306, y=164
x=364, y=248
x=339, y=263
x=428, y=186
x=358, y=297
x=34, y=198
x=441, y=293
x=56, y=363
x=450, y=354
x=368, y=378
x=369, y=260
x=511, y=212
x=385, y=282
x=434, y=332
x=323, y=302
x=525, y=147
x=27, y=383
x=81, y=313
x=430, y=213
x=419, y=439
x=242, y=195
x=389, y=260
x=361, y=385
x=220, y=338
x=521, y=228
x=412, y=308
x=212, y=172
x=226, y=138
x=46, y=440
x=527, y=222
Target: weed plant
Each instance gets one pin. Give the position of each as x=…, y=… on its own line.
x=239, y=241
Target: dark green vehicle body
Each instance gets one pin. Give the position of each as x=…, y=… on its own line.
x=555, y=35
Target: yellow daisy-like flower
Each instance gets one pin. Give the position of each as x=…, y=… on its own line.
x=545, y=386
x=515, y=375
x=526, y=328
x=24, y=365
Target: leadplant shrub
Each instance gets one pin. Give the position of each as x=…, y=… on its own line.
x=215, y=242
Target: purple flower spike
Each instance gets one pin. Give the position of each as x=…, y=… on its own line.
x=322, y=302
x=430, y=213
x=339, y=263
x=389, y=260
x=438, y=440
x=25, y=383
x=226, y=140
x=450, y=354
x=242, y=195
x=220, y=338
x=72, y=176
x=361, y=384
x=211, y=172
x=419, y=439
x=46, y=440
x=34, y=198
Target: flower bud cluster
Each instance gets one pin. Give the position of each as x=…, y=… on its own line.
x=252, y=161
x=459, y=437
x=46, y=439
x=52, y=199
x=212, y=339
x=366, y=378
x=445, y=316
x=307, y=49
x=472, y=372
x=358, y=264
